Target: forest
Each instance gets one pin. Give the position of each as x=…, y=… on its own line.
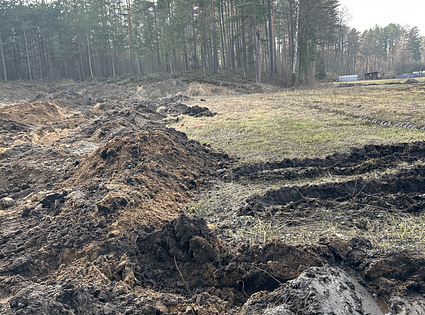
x=307, y=39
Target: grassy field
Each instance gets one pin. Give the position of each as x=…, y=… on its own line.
x=308, y=123
x=312, y=123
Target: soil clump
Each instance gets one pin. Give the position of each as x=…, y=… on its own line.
x=94, y=221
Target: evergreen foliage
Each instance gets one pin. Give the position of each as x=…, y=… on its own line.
x=48, y=40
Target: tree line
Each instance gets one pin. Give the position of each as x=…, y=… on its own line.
x=302, y=39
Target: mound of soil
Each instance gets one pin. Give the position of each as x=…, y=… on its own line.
x=69, y=99
x=173, y=106
x=411, y=81
x=390, y=187
x=163, y=89
x=12, y=92
x=36, y=113
x=206, y=89
x=113, y=117
x=36, y=122
x=150, y=175
x=70, y=261
x=29, y=168
x=93, y=221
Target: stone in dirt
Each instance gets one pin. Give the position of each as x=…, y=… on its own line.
x=6, y=202
x=317, y=290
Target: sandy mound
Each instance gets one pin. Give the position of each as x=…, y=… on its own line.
x=167, y=88
x=37, y=113
x=36, y=122
x=207, y=89
x=152, y=174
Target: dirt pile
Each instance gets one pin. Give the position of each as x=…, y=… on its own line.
x=69, y=120
x=72, y=210
x=12, y=92
x=162, y=89
x=174, y=106
x=36, y=122
x=93, y=222
x=37, y=113
x=69, y=99
x=208, y=86
x=183, y=267
x=344, y=286
x=110, y=118
x=148, y=175
x=356, y=162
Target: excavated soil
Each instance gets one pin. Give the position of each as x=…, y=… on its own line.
x=93, y=195
x=403, y=189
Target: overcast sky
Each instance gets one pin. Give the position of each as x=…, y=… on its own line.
x=367, y=13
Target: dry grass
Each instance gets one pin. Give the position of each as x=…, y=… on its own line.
x=384, y=227
x=311, y=123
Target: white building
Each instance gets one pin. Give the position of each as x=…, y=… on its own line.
x=347, y=78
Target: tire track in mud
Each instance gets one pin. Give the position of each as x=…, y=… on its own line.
x=357, y=161
x=63, y=252
x=411, y=183
x=372, y=120
x=403, y=190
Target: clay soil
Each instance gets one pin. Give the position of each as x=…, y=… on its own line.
x=94, y=217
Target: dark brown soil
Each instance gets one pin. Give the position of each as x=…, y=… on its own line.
x=93, y=220
x=403, y=189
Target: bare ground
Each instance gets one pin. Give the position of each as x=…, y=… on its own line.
x=94, y=194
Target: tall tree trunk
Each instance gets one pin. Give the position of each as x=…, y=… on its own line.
x=245, y=66
x=222, y=34
x=89, y=57
x=81, y=59
x=40, y=61
x=48, y=59
x=194, y=57
x=257, y=50
x=215, y=54
x=137, y=62
x=26, y=49
x=258, y=56
x=158, y=59
x=113, y=61
x=185, y=51
x=129, y=34
x=3, y=61
x=174, y=58
x=271, y=39
x=232, y=35
x=274, y=44
x=294, y=61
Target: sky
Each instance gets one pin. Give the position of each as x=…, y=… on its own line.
x=368, y=13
